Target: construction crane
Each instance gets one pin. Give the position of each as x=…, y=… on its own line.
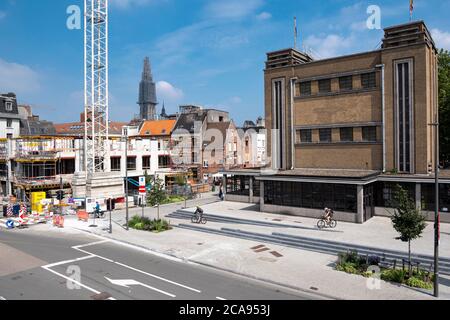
x=96, y=86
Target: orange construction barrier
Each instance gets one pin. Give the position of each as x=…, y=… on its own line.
x=58, y=221
x=82, y=216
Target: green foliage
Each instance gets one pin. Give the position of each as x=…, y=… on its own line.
x=397, y=275
x=146, y=224
x=418, y=283
x=408, y=221
x=444, y=104
x=157, y=194
x=351, y=262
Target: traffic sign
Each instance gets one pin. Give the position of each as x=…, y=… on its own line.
x=10, y=224
x=142, y=187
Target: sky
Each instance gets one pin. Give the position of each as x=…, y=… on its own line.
x=205, y=52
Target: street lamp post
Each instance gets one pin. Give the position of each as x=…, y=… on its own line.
x=436, y=210
x=126, y=177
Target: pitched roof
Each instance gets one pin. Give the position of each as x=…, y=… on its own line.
x=77, y=128
x=221, y=126
x=157, y=127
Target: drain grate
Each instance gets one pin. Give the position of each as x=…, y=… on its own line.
x=262, y=250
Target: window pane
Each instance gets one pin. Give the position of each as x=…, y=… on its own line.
x=325, y=86
x=325, y=135
x=305, y=136
x=305, y=88
x=368, y=80
x=369, y=134
x=346, y=134
x=346, y=83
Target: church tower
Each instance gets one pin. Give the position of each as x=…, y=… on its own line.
x=147, y=94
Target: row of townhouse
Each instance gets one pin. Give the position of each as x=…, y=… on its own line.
x=198, y=144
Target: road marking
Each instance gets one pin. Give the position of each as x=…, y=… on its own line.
x=90, y=244
x=1, y=298
x=219, y=298
x=69, y=261
x=128, y=283
x=157, y=277
x=74, y=281
x=131, y=268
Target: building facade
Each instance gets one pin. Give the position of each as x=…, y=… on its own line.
x=344, y=131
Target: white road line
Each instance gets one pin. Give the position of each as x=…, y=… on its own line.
x=74, y=281
x=1, y=298
x=90, y=244
x=69, y=261
x=219, y=298
x=92, y=254
x=157, y=277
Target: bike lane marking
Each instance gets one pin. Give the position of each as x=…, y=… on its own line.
x=74, y=281
x=132, y=268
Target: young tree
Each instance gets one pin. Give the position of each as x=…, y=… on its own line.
x=157, y=194
x=407, y=220
x=444, y=105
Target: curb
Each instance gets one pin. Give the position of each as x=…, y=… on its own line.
x=194, y=262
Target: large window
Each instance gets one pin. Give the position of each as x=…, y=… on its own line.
x=311, y=195
x=404, y=116
x=8, y=123
x=346, y=83
x=385, y=193
x=146, y=164
x=369, y=134
x=164, y=161
x=325, y=135
x=428, y=197
x=65, y=166
x=305, y=88
x=238, y=185
x=131, y=163
x=346, y=134
x=325, y=86
x=115, y=164
x=368, y=80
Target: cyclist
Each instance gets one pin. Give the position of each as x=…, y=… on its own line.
x=199, y=213
x=328, y=215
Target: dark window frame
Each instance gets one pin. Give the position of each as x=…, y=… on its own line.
x=346, y=83
x=346, y=134
x=324, y=86
x=369, y=80
x=305, y=88
x=325, y=135
x=369, y=134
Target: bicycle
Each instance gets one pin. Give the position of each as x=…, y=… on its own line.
x=324, y=223
x=198, y=219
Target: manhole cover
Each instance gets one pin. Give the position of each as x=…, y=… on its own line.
x=101, y=296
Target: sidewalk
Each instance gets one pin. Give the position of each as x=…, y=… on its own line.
x=305, y=270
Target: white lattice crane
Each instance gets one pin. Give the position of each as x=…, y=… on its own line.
x=96, y=85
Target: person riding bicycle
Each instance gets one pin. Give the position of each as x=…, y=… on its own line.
x=328, y=215
x=199, y=212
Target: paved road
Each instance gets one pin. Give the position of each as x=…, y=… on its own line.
x=39, y=267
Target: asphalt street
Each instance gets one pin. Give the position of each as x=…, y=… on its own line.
x=59, y=266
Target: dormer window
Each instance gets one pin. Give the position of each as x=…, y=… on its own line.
x=9, y=106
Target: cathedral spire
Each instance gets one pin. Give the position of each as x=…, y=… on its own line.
x=147, y=93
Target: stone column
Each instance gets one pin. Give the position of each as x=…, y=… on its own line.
x=360, y=204
x=418, y=196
